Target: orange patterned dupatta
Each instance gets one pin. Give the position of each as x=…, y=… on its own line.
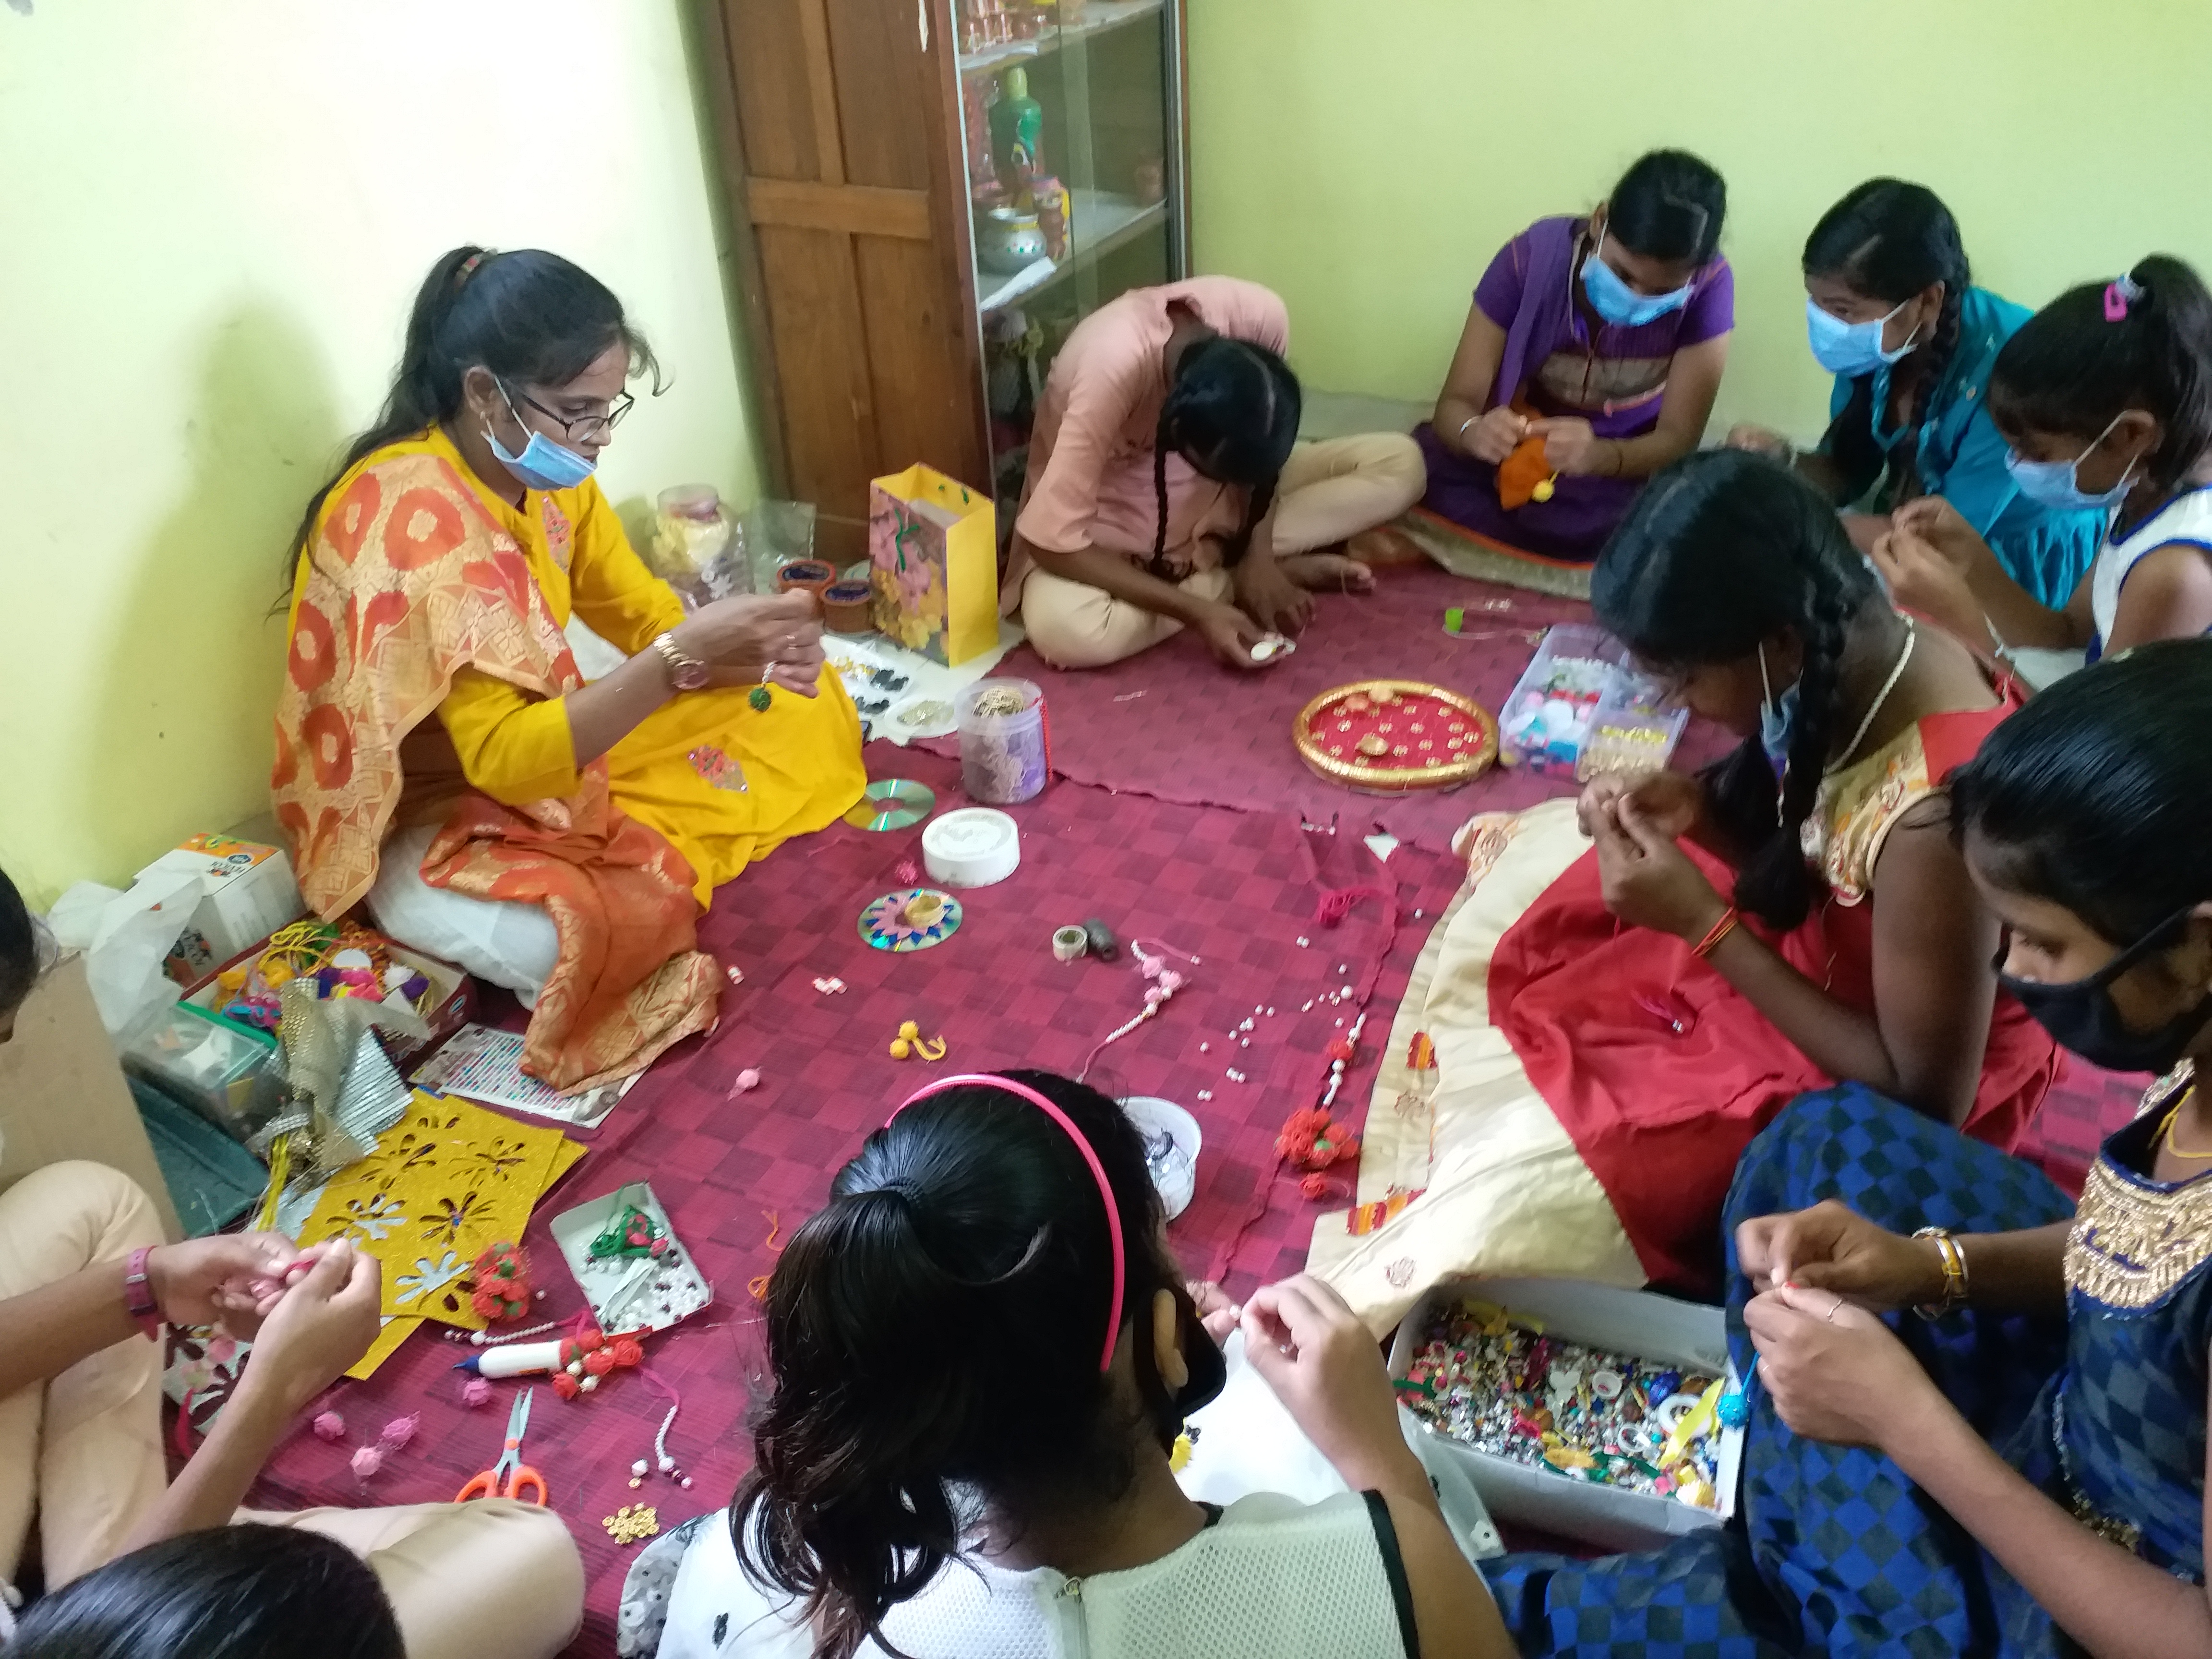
x=410, y=579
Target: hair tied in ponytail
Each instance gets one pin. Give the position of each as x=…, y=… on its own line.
x=1009, y=1085
x=468, y=265
x=2120, y=293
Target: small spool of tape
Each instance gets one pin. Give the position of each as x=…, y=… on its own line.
x=1069, y=943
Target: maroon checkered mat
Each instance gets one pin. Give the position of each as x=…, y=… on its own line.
x=1174, y=724
x=1233, y=889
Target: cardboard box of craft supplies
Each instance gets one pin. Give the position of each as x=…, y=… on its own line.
x=248, y=891
x=1636, y=1323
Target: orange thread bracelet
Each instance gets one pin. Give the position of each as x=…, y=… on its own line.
x=1721, y=930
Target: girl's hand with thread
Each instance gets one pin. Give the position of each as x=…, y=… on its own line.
x=318, y=1327
x=1835, y=1372
x=1570, y=442
x=1229, y=635
x=1496, y=434
x=1945, y=530
x=1322, y=1363
x=231, y=1279
x=1216, y=1311
x=1672, y=803
x=1648, y=881
x=1269, y=596
x=1759, y=440
x=1833, y=1248
x=1922, y=579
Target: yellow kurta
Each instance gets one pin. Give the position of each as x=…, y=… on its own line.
x=726, y=783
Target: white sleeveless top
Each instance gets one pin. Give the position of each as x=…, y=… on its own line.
x=1272, y=1579
x=2186, y=519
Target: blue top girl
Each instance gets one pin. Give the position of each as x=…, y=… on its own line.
x=1893, y=313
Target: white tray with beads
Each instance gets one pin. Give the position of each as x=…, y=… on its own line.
x=630, y=1293
x=1657, y=1330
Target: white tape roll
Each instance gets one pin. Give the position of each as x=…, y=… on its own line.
x=973, y=847
x=1068, y=944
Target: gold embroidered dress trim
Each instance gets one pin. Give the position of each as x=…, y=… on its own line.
x=2133, y=1240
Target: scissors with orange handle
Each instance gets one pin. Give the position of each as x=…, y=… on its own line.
x=510, y=1477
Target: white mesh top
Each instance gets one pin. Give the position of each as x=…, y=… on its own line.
x=1271, y=1579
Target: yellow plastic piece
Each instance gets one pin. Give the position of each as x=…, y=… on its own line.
x=1699, y=1421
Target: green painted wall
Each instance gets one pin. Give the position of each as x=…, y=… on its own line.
x=1367, y=157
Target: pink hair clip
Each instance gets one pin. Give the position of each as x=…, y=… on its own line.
x=2119, y=293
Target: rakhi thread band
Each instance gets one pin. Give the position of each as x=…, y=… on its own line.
x=1090, y=1156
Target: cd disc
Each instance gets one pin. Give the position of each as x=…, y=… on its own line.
x=893, y=804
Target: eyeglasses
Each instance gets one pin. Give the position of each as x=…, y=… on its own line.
x=583, y=428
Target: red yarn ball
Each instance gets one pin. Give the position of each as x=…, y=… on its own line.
x=627, y=1351
x=599, y=1363
x=565, y=1385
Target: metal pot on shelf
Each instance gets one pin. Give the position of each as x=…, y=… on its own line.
x=1007, y=239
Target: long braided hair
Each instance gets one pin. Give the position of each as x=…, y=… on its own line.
x=1724, y=551
x=1232, y=412
x=1889, y=239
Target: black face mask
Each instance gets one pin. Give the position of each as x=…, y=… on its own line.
x=2081, y=1017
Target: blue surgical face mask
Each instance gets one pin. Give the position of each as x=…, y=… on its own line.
x=543, y=464
x=1851, y=349
x=2057, y=485
x=1620, y=304
x=1777, y=720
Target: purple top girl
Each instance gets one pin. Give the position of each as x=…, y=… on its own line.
x=1605, y=336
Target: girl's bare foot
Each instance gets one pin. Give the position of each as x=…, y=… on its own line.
x=1326, y=573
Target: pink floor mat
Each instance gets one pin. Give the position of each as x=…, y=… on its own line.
x=1174, y=724
x=1233, y=889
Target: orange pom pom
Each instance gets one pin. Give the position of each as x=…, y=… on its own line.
x=627, y=1351
x=599, y=1363
x=591, y=1341
x=565, y=1385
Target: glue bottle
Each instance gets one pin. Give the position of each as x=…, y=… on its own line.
x=516, y=1359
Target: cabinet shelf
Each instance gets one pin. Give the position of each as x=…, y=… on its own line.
x=1099, y=223
x=1099, y=17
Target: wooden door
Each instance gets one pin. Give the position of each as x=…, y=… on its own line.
x=840, y=147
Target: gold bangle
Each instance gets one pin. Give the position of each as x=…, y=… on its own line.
x=1954, y=1272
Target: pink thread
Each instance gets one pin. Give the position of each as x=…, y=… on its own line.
x=366, y=1461
x=476, y=1392
x=400, y=1431
x=329, y=1425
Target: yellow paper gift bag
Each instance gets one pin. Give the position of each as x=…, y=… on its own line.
x=933, y=543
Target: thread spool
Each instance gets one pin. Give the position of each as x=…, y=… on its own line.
x=1004, y=754
x=847, y=607
x=1069, y=944
x=811, y=574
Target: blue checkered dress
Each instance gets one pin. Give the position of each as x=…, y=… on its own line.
x=1834, y=1551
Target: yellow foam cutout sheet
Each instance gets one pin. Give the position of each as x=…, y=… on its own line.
x=448, y=1181
x=398, y=1329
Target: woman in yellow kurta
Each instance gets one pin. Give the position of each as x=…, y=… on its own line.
x=434, y=576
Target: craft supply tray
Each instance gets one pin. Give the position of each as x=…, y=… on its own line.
x=1639, y=1323
x=617, y=1304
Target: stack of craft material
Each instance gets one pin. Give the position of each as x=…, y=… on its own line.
x=447, y=1182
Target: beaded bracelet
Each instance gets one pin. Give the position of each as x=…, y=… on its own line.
x=1954, y=1272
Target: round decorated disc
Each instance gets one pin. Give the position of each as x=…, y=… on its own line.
x=892, y=804
x=1394, y=737
x=886, y=926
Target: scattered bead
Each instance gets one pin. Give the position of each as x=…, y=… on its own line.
x=1205, y=1094
x=748, y=1078
x=632, y=1523
x=1203, y=1046
x=736, y=975
x=639, y=1466
x=1303, y=942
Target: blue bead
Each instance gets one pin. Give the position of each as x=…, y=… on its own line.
x=1735, y=1409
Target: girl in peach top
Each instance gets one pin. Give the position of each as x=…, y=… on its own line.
x=1166, y=488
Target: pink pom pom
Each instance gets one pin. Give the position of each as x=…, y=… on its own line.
x=400, y=1429
x=329, y=1425
x=366, y=1461
x=748, y=1078
x=476, y=1392
x=1171, y=981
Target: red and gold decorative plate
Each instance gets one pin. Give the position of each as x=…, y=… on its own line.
x=1395, y=737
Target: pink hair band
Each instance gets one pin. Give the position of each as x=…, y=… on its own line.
x=1081, y=1145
